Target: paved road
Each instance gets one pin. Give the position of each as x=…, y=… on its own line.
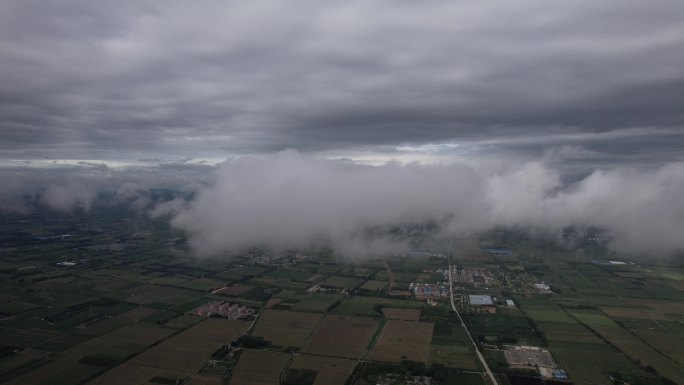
x=453, y=306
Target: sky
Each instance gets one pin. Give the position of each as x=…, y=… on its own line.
x=361, y=79
x=131, y=95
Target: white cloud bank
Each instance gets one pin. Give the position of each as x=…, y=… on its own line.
x=291, y=200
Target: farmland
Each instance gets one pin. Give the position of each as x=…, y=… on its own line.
x=236, y=290
x=342, y=336
x=134, y=374
x=401, y=314
x=331, y=371
x=286, y=328
x=187, y=351
x=122, y=315
x=342, y=282
x=375, y=286
x=403, y=340
x=259, y=368
x=369, y=306
x=629, y=344
x=450, y=347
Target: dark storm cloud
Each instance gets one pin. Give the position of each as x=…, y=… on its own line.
x=88, y=80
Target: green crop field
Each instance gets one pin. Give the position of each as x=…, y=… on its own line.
x=349, y=283
x=318, y=302
x=370, y=306
x=121, y=313
x=286, y=328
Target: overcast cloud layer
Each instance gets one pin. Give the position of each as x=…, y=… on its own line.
x=531, y=114
x=132, y=79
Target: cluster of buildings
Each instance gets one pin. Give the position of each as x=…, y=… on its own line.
x=175, y=241
x=480, y=300
x=270, y=260
x=442, y=272
x=498, y=251
x=140, y=236
x=429, y=290
x=111, y=247
x=392, y=379
x=542, y=287
x=533, y=357
x=223, y=310
x=608, y=263
x=73, y=262
x=61, y=236
x=486, y=302
x=417, y=380
x=471, y=277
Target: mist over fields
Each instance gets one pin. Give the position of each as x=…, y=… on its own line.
x=293, y=200
x=290, y=200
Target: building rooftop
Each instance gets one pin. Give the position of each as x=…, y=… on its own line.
x=480, y=299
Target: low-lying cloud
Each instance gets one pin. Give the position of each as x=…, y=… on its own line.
x=70, y=195
x=67, y=189
x=292, y=200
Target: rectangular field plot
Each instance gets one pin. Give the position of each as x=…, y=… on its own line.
x=135, y=374
x=404, y=340
x=401, y=314
x=361, y=272
x=466, y=379
x=63, y=370
x=667, y=342
x=366, y=306
x=205, y=284
x=122, y=342
x=342, y=336
x=589, y=362
x=188, y=350
x=342, y=282
x=629, y=344
x=280, y=283
x=138, y=313
x=665, y=307
x=235, y=290
x=572, y=332
x=453, y=356
x=286, y=328
x=292, y=275
x=331, y=371
x=552, y=315
x=622, y=312
x=373, y=285
x=318, y=302
x=259, y=367
x=157, y=294
x=246, y=271
x=511, y=328
x=451, y=347
x=200, y=379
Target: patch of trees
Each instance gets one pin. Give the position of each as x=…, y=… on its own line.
x=251, y=342
x=100, y=360
x=165, y=381
x=299, y=377
x=652, y=378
